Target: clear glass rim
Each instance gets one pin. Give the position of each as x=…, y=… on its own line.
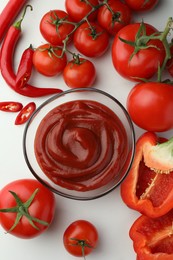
x=54, y=97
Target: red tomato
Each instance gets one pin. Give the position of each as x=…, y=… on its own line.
x=143, y=64
x=41, y=207
x=53, y=27
x=141, y=5
x=80, y=238
x=79, y=74
x=78, y=9
x=113, y=22
x=47, y=60
x=25, y=113
x=91, y=40
x=150, y=106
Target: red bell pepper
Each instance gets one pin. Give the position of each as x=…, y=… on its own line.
x=153, y=237
x=144, y=189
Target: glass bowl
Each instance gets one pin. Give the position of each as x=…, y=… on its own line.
x=80, y=143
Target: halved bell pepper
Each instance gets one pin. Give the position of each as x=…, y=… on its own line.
x=149, y=191
x=153, y=237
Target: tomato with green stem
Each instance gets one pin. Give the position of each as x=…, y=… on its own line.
x=79, y=73
x=78, y=9
x=138, y=51
x=49, y=61
x=91, y=39
x=114, y=15
x=55, y=25
x=80, y=238
x=150, y=105
x=27, y=208
x=141, y=5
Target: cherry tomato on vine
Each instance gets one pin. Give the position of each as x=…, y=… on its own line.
x=150, y=106
x=30, y=204
x=144, y=63
x=91, y=39
x=78, y=9
x=116, y=18
x=55, y=26
x=79, y=73
x=47, y=60
x=141, y=5
x=80, y=238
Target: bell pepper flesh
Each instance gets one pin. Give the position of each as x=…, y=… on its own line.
x=144, y=190
x=153, y=237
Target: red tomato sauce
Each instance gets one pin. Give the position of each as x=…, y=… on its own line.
x=81, y=145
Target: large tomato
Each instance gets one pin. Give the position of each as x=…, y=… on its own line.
x=47, y=60
x=141, y=5
x=145, y=62
x=33, y=203
x=80, y=238
x=54, y=28
x=80, y=73
x=78, y=9
x=91, y=40
x=119, y=16
x=150, y=106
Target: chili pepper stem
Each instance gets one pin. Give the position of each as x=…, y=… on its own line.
x=18, y=23
x=159, y=157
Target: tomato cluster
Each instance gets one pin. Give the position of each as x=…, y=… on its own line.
x=89, y=25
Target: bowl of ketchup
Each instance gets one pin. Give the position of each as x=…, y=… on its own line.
x=80, y=143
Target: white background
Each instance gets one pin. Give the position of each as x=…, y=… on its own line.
x=109, y=214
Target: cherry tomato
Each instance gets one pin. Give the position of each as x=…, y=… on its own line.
x=150, y=106
x=141, y=5
x=25, y=113
x=80, y=238
x=91, y=40
x=32, y=201
x=47, y=60
x=80, y=73
x=143, y=64
x=119, y=16
x=54, y=28
x=78, y=9
x=10, y=106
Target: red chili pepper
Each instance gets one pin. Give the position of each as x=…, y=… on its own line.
x=153, y=238
x=25, y=68
x=25, y=113
x=8, y=14
x=6, y=64
x=10, y=106
x=144, y=189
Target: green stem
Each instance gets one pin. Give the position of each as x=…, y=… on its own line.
x=17, y=24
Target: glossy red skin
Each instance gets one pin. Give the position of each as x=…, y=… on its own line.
x=141, y=5
x=25, y=68
x=80, y=75
x=152, y=238
x=46, y=65
x=10, y=106
x=7, y=70
x=42, y=207
x=85, y=43
x=25, y=113
x=81, y=230
x=78, y=9
x=48, y=30
x=150, y=106
x=8, y=15
x=105, y=16
x=145, y=63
